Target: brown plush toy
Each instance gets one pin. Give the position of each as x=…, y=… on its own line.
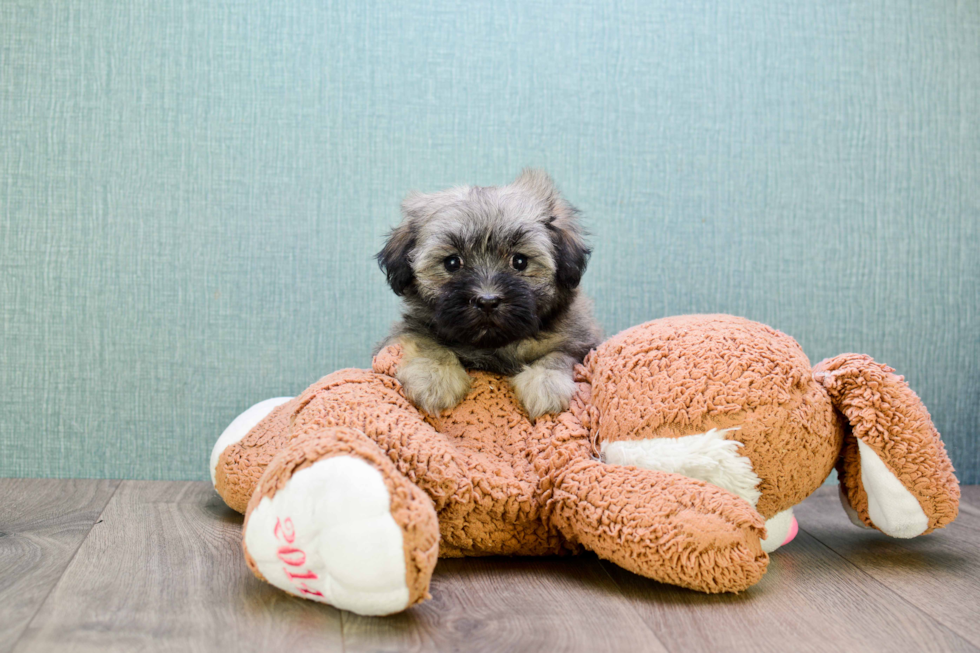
x=687, y=444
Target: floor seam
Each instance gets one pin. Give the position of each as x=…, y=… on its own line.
x=892, y=592
x=622, y=595
x=74, y=554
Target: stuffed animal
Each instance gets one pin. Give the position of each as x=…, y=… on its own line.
x=687, y=444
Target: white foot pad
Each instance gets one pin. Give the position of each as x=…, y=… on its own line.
x=240, y=426
x=892, y=508
x=781, y=528
x=329, y=536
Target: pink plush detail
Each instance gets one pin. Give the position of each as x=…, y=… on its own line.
x=794, y=528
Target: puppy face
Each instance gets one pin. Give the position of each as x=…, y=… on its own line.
x=487, y=266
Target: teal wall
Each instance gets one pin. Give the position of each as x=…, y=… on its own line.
x=191, y=192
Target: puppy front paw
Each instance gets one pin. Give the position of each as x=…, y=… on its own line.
x=542, y=390
x=433, y=385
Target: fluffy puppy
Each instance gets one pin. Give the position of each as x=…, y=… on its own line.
x=489, y=278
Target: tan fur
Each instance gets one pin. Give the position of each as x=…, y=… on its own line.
x=432, y=376
x=889, y=417
x=482, y=479
x=546, y=385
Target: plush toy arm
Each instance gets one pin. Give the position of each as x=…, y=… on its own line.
x=894, y=472
x=663, y=526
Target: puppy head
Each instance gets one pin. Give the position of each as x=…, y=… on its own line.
x=488, y=265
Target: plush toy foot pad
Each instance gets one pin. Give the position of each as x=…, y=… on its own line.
x=329, y=535
x=781, y=528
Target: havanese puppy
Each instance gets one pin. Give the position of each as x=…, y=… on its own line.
x=489, y=278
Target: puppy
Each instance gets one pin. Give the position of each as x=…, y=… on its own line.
x=489, y=278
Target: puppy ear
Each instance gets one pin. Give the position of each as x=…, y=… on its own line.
x=567, y=237
x=394, y=258
x=537, y=182
x=571, y=252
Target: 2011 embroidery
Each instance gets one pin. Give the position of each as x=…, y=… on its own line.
x=293, y=557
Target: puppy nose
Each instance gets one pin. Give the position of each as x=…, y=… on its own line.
x=487, y=303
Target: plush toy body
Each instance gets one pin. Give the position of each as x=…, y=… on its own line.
x=687, y=444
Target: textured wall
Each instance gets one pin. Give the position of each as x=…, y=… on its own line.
x=190, y=193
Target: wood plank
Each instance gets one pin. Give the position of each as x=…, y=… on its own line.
x=939, y=573
x=809, y=600
x=505, y=604
x=970, y=499
x=164, y=570
x=42, y=524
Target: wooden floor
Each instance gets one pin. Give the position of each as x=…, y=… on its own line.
x=133, y=566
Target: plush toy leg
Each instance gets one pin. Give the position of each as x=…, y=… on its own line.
x=369, y=402
x=894, y=472
x=660, y=525
x=241, y=454
x=709, y=457
x=332, y=520
x=240, y=427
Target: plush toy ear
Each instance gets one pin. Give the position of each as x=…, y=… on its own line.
x=567, y=236
x=894, y=473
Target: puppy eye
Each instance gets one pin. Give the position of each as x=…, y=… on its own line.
x=452, y=263
x=519, y=262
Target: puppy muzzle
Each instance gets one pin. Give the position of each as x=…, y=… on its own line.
x=484, y=315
